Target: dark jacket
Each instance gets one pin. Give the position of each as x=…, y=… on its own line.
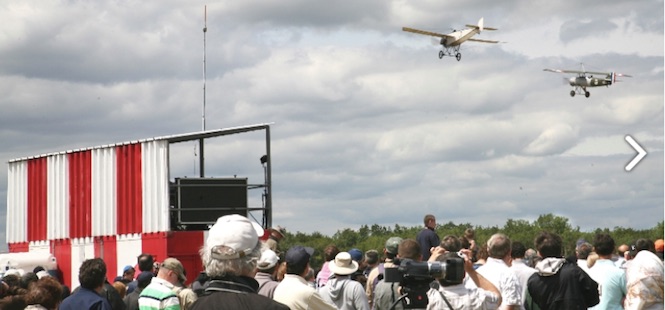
x=132, y=299
x=235, y=293
x=568, y=289
x=113, y=297
x=132, y=286
x=427, y=238
x=85, y=299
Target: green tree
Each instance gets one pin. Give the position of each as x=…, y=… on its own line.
x=375, y=236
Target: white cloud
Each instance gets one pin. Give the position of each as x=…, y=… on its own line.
x=553, y=140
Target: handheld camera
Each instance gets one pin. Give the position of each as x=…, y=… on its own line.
x=415, y=277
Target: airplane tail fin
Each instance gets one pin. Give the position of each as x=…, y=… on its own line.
x=481, y=25
x=612, y=78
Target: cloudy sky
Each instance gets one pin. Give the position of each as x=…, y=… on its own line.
x=369, y=126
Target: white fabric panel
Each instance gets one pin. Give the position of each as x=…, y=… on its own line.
x=103, y=191
x=39, y=247
x=205, y=236
x=82, y=249
x=155, y=179
x=128, y=248
x=57, y=208
x=17, y=202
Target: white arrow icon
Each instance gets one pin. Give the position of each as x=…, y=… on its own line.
x=640, y=153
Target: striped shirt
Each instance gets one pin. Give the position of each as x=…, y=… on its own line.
x=158, y=295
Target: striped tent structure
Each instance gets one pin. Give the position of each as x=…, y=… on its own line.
x=109, y=201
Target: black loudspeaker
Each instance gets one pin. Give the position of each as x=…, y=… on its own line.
x=203, y=200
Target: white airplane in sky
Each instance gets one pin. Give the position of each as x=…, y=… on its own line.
x=451, y=42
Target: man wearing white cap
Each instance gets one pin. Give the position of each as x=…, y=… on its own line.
x=265, y=273
x=344, y=293
x=230, y=255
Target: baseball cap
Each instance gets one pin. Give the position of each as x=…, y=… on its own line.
x=659, y=245
x=356, y=255
x=267, y=260
x=392, y=243
x=144, y=278
x=42, y=274
x=128, y=267
x=298, y=255
x=174, y=265
x=235, y=232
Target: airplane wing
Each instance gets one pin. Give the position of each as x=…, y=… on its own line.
x=576, y=71
x=563, y=71
x=482, y=41
x=427, y=33
x=607, y=74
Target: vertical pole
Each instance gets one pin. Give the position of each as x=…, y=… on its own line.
x=203, y=114
x=267, y=213
x=205, y=30
x=201, y=160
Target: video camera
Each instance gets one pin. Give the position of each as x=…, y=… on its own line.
x=415, y=277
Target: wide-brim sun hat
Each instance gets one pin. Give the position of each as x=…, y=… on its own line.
x=343, y=264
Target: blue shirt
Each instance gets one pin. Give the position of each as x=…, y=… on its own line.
x=85, y=299
x=611, y=284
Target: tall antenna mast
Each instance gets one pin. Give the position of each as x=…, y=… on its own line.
x=205, y=30
x=203, y=114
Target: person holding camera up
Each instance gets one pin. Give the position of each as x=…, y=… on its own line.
x=387, y=293
x=451, y=295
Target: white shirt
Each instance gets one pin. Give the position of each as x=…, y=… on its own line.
x=583, y=264
x=461, y=298
x=523, y=273
x=294, y=292
x=496, y=271
x=620, y=262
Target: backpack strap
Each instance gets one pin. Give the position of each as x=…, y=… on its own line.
x=380, y=276
x=435, y=285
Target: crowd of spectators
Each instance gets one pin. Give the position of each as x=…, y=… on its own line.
x=243, y=272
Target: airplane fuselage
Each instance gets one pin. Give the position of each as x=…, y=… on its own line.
x=458, y=37
x=583, y=81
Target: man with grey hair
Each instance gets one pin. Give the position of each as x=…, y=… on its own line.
x=230, y=255
x=497, y=270
x=582, y=252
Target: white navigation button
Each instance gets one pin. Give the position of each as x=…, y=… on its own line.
x=640, y=153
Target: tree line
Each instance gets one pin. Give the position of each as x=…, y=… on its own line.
x=375, y=236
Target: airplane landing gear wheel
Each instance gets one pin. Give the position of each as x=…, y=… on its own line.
x=440, y=54
x=458, y=56
x=587, y=94
x=572, y=93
